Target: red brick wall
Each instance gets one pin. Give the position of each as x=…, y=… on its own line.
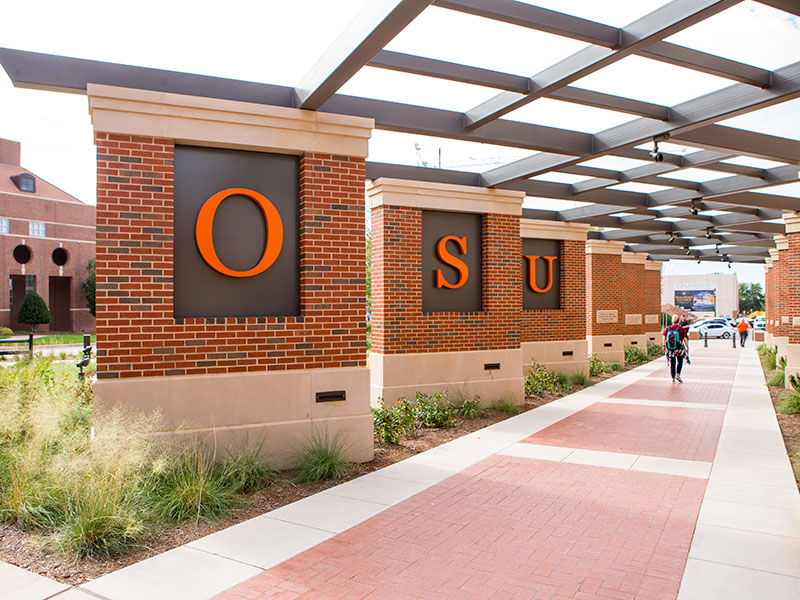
x=782, y=296
x=137, y=333
x=632, y=296
x=569, y=322
x=604, y=290
x=652, y=298
x=769, y=298
x=791, y=285
x=398, y=324
x=70, y=225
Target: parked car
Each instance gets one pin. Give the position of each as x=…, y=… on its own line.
x=759, y=323
x=714, y=330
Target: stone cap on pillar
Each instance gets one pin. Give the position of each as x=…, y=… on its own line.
x=773, y=254
x=444, y=196
x=552, y=230
x=220, y=123
x=791, y=220
x=605, y=247
x=653, y=265
x=781, y=242
x=634, y=258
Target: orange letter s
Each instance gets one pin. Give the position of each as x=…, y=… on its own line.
x=457, y=264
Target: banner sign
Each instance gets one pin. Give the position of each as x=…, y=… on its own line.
x=451, y=262
x=698, y=300
x=541, y=274
x=236, y=240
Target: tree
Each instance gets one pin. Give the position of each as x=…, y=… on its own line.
x=88, y=286
x=33, y=311
x=751, y=298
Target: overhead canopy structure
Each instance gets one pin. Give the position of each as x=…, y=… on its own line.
x=723, y=217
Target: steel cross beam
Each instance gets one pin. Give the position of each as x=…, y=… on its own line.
x=659, y=24
x=740, y=141
x=371, y=30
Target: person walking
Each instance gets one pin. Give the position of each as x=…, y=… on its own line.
x=743, y=327
x=676, y=346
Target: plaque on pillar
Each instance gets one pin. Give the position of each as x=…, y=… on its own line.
x=633, y=319
x=651, y=319
x=607, y=316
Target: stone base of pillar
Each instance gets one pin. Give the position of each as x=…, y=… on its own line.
x=225, y=411
x=654, y=337
x=637, y=341
x=792, y=361
x=609, y=348
x=782, y=344
x=566, y=356
x=490, y=374
x=768, y=339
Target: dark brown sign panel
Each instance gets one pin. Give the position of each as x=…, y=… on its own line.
x=541, y=274
x=236, y=233
x=451, y=262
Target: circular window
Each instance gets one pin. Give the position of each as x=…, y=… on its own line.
x=22, y=254
x=60, y=256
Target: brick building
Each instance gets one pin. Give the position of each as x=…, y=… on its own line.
x=47, y=239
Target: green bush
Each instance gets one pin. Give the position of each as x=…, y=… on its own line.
x=192, y=487
x=615, y=366
x=597, y=366
x=540, y=379
x=469, y=408
x=777, y=379
x=761, y=349
x=5, y=332
x=794, y=382
x=433, y=410
x=33, y=311
x=579, y=380
x=771, y=358
x=790, y=403
x=247, y=471
x=322, y=458
x=781, y=364
x=391, y=424
x=506, y=407
x=654, y=350
x=635, y=356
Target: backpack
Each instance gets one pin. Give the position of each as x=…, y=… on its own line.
x=673, y=340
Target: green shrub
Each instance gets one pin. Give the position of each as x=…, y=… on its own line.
x=33, y=311
x=469, y=408
x=777, y=379
x=761, y=349
x=540, y=379
x=433, y=410
x=654, y=350
x=506, y=407
x=322, y=458
x=615, y=366
x=5, y=332
x=781, y=364
x=191, y=487
x=391, y=424
x=635, y=356
x=794, y=382
x=247, y=471
x=597, y=366
x=580, y=380
x=790, y=403
x=770, y=358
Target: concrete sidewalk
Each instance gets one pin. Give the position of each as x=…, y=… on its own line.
x=634, y=488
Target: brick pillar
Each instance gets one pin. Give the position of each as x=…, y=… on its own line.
x=791, y=292
x=652, y=301
x=782, y=316
x=456, y=352
x=769, y=300
x=553, y=337
x=605, y=286
x=231, y=378
x=632, y=299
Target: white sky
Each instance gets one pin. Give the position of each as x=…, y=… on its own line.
x=276, y=42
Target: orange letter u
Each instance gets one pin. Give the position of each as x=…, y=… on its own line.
x=532, y=273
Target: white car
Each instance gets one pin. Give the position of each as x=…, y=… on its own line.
x=715, y=330
x=759, y=323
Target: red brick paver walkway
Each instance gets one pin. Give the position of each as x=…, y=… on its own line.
x=506, y=528
x=671, y=432
x=703, y=392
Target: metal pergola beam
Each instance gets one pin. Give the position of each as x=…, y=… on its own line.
x=659, y=24
x=740, y=141
x=377, y=24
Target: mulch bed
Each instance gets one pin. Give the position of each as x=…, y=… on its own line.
x=33, y=551
x=789, y=424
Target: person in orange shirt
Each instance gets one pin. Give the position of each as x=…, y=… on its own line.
x=742, y=327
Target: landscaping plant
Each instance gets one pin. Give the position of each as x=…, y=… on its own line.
x=506, y=407
x=469, y=408
x=540, y=379
x=392, y=424
x=433, y=410
x=654, y=350
x=322, y=458
x=597, y=366
x=635, y=356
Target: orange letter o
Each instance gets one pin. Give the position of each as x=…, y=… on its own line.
x=203, y=232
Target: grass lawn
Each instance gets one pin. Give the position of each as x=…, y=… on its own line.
x=56, y=337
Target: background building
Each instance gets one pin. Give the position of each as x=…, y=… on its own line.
x=47, y=239
x=704, y=294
